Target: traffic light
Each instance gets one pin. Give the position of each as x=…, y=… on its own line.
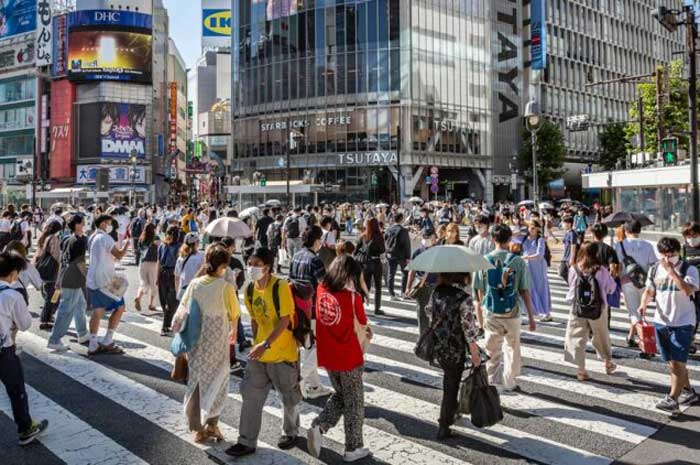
x=669, y=149
x=263, y=180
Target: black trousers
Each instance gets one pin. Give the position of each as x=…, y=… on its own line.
x=137, y=254
x=47, y=290
x=167, y=295
x=395, y=265
x=12, y=376
x=450, y=394
x=372, y=272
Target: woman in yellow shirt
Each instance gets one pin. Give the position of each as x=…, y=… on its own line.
x=208, y=377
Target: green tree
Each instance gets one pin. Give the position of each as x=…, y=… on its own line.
x=551, y=152
x=674, y=114
x=613, y=145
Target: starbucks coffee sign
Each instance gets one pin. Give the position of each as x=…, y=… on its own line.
x=321, y=121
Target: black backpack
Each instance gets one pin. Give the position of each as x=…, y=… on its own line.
x=16, y=231
x=391, y=239
x=274, y=236
x=633, y=270
x=588, y=301
x=293, y=228
x=47, y=266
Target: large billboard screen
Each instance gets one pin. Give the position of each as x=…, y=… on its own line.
x=109, y=55
x=122, y=129
x=17, y=17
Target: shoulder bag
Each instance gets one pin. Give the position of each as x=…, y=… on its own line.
x=363, y=332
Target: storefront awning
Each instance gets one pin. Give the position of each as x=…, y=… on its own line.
x=280, y=187
x=64, y=193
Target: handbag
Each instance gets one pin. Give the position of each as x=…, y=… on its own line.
x=363, y=332
x=425, y=347
x=465, y=394
x=180, y=369
x=485, y=402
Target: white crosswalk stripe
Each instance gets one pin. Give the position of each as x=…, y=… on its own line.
x=612, y=413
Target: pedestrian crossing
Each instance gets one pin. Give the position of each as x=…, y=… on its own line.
x=553, y=419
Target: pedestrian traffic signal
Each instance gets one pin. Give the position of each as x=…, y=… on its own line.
x=669, y=149
x=263, y=180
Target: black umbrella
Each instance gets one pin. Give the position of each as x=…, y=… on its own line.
x=619, y=218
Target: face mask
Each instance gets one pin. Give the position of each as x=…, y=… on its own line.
x=674, y=260
x=109, y=229
x=425, y=242
x=255, y=272
x=694, y=241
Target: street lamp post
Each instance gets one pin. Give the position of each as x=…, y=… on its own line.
x=532, y=122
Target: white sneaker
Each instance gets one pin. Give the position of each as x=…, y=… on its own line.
x=356, y=455
x=83, y=339
x=60, y=347
x=314, y=440
x=316, y=392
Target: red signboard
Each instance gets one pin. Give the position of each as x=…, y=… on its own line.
x=173, y=117
x=61, y=150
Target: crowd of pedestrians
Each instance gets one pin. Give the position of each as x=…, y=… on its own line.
x=316, y=317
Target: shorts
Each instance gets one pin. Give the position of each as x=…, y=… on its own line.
x=673, y=342
x=99, y=299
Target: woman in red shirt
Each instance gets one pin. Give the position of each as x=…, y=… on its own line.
x=339, y=352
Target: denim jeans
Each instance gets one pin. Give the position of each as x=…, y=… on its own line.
x=71, y=307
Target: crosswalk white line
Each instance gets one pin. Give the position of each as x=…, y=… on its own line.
x=69, y=438
x=145, y=402
x=584, y=419
x=530, y=446
x=384, y=446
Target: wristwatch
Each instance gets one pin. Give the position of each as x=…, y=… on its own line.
x=266, y=345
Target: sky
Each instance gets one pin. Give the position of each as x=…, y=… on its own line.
x=185, y=28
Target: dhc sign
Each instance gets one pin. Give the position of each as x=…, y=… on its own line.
x=216, y=23
x=109, y=18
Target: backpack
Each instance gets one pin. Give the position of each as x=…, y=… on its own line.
x=391, y=240
x=633, y=270
x=500, y=298
x=136, y=228
x=300, y=324
x=293, y=228
x=16, y=231
x=588, y=301
x=274, y=235
x=47, y=265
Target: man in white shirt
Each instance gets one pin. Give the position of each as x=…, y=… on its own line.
x=14, y=316
x=100, y=284
x=673, y=283
x=642, y=252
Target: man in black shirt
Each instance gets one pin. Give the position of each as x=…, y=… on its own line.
x=262, y=225
x=398, y=251
x=71, y=282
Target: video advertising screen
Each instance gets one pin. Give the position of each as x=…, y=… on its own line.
x=110, y=55
x=122, y=130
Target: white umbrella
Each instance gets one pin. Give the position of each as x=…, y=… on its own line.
x=251, y=211
x=273, y=203
x=382, y=205
x=61, y=205
x=228, y=227
x=415, y=200
x=449, y=259
x=526, y=202
x=546, y=206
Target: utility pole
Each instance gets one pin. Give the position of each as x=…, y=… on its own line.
x=640, y=111
x=398, y=165
x=691, y=33
x=659, y=107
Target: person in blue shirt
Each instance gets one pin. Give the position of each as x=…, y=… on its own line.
x=580, y=225
x=168, y=252
x=425, y=223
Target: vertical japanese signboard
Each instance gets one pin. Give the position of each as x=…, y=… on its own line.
x=44, y=33
x=172, y=147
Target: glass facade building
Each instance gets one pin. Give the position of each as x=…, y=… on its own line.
x=372, y=89
x=17, y=121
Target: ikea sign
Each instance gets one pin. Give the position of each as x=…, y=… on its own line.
x=216, y=23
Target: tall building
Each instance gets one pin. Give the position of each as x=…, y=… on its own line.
x=365, y=94
x=177, y=110
x=592, y=41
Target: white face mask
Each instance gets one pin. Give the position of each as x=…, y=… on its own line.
x=694, y=241
x=255, y=272
x=109, y=229
x=425, y=242
x=674, y=260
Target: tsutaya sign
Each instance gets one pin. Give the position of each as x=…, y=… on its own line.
x=507, y=98
x=367, y=158
x=321, y=121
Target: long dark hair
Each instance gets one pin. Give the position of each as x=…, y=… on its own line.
x=52, y=227
x=148, y=235
x=372, y=231
x=343, y=269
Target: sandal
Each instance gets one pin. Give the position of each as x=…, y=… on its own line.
x=100, y=350
x=112, y=349
x=583, y=376
x=610, y=368
x=137, y=305
x=214, y=432
x=200, y=437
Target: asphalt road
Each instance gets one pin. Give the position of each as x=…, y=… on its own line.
x=126, y=410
